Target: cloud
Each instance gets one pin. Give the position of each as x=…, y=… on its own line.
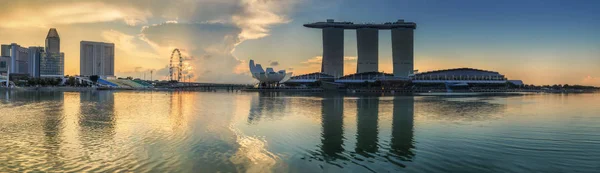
x=29, y=14
x=206, y=31
x=274, y=63
x=213, y=43
x=314, y=60
x=257, y=16
x=591, y=80
x=314, y=65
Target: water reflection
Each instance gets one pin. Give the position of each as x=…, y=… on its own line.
x=367, y=125
x=28, y=97
x=53, y=128
x=97, y=123
x=266, y=106
x=461, y=108
x=332, y=125
x=369, y=111
x=97, y=111
x=402, y=142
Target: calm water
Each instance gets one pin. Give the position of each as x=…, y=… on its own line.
x=256, y=132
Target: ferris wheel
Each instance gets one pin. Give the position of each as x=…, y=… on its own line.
x=175, y=72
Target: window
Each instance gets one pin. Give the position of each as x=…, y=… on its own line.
x=3, y=64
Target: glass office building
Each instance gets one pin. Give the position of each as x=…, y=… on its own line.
x=52, y=64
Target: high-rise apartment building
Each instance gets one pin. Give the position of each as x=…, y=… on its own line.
x=97, y=58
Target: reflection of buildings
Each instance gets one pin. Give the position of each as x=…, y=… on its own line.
x=265, y=105
x=402, y=128
x=367, y=127
x=31, y=97
x=97, y=119
x=367, y=141
x=53, y=124
x=332, y=124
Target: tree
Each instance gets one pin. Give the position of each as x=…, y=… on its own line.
x=71, y=81
x=94, y=78
x=31, y=82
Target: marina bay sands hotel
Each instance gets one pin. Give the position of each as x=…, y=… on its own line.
x=368, y=46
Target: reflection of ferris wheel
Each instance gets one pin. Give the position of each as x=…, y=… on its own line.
x=179, y=68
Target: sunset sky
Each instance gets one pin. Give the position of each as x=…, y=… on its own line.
x=538, y=41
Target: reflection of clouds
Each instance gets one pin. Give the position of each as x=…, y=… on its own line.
x=253, y=153
x=459, y=109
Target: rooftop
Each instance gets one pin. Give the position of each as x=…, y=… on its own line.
x=330, y=23
x=52, y=33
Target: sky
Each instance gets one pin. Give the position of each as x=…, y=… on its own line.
x=537, y=41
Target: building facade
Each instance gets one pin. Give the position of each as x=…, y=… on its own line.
x=4, y=64
x=97, y=58
x=52, y=64
x=460, y=75
x=4, y=59
x=19, y=57
x=35, y=56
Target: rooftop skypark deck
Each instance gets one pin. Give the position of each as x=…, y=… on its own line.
x=350, y=25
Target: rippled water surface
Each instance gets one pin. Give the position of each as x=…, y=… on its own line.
x=104, y=131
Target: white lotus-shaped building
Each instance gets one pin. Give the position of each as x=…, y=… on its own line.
x=268, y=76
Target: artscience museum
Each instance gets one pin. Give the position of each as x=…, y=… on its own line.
x=268, y=77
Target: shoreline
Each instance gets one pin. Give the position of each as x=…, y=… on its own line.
x=301, y=90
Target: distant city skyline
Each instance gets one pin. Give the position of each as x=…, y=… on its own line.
x=539, y=42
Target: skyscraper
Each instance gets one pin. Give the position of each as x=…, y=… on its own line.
x=97, y=58
x=52, y=62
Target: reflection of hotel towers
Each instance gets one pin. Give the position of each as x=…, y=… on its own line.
x=367, y=128
x=332, y=138
x=368, y=40
x=332, y=124
x=402, y=128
